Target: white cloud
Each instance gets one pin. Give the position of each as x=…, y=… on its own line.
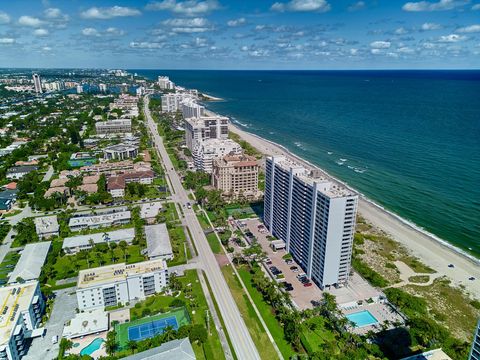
x=302, y=6
x=376, y=51
x=430, y=26
x=30, y=21
x=146, y=45
x=353, y=52
x=47, y=48
x=109, y=12
x=380, y=44
x=359, y=5
x=7, y=41
x=405, y=50
x=55, y=13
x=4, y=18
x=476, y=7
x=469, y=29
x=237, y=22
x=40, y=32
x=401, y=31
x=187, y=8
x=441, y=5
x=190, y=25
x=90, y=32
x=114, y=31
x=451, y=38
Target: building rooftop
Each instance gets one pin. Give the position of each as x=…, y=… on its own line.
x=115, y=183
x=46, y=224
x=176, y=349
x=14, y=299
x=120, y=147
x=150, y=210
x=29, y=266
x=22, y=169
x=239, y=160
x=82, y=240
x=119, y=122
x=117, y=272
x=201, y=120
x=87, y=322
x=311, y=176
x=436, y=354
x=158, y=240
x=87, y=219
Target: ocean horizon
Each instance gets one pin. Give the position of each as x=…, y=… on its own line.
x=406, y=139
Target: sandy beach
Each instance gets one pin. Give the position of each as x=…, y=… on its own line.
x=430, y=250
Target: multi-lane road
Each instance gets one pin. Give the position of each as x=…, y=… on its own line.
x=240, y=337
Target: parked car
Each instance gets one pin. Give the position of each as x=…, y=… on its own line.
x=294, y=268
x=301, y=275
x=308, y=284
x=289, y=261
x=451, y=266
x=471, y=278
x=54, y=339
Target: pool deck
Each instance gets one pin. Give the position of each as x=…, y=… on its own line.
x=381, y=311
x=85, y=340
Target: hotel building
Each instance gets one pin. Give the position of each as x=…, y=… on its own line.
x=236, y=175
x=20, y=315
x=315, y=218
x=120, y=283
x=165, y=84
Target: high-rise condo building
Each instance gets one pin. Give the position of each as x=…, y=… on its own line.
x=37, y=83
x=315, y=218
x=203, y=128
x=236, y=176
x=475, y=351
x=165, y=84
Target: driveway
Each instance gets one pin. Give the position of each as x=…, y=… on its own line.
x=63, y=310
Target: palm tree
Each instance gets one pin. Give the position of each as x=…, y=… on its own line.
x=132, y=345
x=123, y=245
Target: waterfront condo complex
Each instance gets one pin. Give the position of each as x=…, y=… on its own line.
x=315, y=218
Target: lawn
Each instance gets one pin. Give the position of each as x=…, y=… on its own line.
x=7, y=265
x=317, y=336
x=259, y=336
x=268, y=316
x=194, y=299
x=214, y=243
x=178, y=241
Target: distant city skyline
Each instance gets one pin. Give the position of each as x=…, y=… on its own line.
x=211, y=34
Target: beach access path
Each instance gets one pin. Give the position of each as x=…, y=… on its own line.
x=426, y=248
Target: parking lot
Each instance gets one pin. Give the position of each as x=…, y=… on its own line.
x=63, y=310
x=301, y=296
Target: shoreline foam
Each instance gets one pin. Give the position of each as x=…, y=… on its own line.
x=363, y=197
x=428, y=248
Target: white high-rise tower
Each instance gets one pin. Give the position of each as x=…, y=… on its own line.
x=315, y=218
x=37, y=83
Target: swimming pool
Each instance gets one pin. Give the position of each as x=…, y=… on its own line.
x=92, y=347
x=362, y=318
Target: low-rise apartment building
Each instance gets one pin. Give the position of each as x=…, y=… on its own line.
x=104, y=218
x=18, y=172
x=120, y=152
x=120, y=283
x=74, y=244
x=114, y=126
x=236, y=176
x=46, y=226
x=22, y=307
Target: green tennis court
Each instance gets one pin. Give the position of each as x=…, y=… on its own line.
x=124, y=331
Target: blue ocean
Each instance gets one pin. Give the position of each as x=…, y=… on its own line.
x=409, y=140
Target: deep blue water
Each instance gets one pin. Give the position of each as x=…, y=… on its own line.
x=411, y=139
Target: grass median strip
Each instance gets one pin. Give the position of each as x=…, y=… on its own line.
x=260, y=338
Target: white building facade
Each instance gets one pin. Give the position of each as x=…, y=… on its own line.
x=315, y=218
x=120, y=283
x=203, y=128
x=209, y=150
x=191, y=109
x=165, y=84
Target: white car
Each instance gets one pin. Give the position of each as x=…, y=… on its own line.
x=54, y=339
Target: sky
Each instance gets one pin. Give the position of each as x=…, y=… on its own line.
x=248, y=34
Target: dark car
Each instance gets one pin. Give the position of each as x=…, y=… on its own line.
x=451, y=266
x=273, y=268
x=308, y=284
x=471, y=278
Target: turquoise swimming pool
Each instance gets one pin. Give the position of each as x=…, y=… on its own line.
x=92, y=347
x=362, y=318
